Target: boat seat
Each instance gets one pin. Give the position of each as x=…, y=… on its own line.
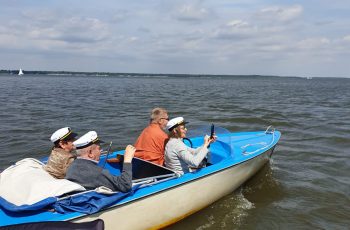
x=145, y=169
x=140, y=168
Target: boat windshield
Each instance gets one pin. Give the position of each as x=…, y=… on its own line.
x=220, y=149
x=201, y=130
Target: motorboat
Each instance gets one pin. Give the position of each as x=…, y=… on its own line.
x=159, y=196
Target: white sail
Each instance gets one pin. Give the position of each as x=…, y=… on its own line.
x=20, y=72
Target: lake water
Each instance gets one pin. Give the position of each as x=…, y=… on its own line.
x=305, y=186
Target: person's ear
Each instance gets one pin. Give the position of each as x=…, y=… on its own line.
x=90, y=154
x=176, y=131
x=61, y=143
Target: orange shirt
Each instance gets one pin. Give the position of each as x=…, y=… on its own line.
x=151, y=144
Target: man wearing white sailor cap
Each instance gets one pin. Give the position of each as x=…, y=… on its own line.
x=61, y=155
x=85, y=170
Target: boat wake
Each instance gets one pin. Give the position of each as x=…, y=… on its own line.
x=239, y=213
x=239, y=206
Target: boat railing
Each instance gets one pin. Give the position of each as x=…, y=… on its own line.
x=270, y=130
x=138, y=182
x=153, y=180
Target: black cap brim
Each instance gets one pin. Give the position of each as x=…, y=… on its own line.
x=71, y=136
x=99, y=142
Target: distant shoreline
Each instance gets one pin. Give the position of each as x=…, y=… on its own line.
x=112, y=74
x=33, y=72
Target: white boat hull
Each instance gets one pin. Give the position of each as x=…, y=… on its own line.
x=164, y=208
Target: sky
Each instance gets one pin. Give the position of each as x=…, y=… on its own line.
x=309, y=38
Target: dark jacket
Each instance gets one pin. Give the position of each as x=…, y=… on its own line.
x=88, y=174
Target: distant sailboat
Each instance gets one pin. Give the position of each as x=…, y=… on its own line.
x=20, y=72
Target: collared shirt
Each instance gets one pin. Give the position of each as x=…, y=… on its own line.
x=151, y=144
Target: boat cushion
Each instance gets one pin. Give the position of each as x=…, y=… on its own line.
x=26, y=183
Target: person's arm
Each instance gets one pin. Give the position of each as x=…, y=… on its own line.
x=192, y=157
x=129, y=153
x=68, y=161
x=123, y=182
x=207, y=142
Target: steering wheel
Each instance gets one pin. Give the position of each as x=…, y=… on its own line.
x=188, y=140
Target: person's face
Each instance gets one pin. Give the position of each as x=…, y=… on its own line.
x=181, y=130
x=163, y=121
x=96, y=152
x=67, y=145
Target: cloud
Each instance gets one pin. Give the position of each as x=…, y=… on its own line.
x=120, y=16
x=48, y=31
x=280, y=13
x=313, y=43
x=70, y=30
x=324, y=23
x=200, y=33
x=235, y=30
x=191, y=13
x=347, y=38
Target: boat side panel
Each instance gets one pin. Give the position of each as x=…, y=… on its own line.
x=167, y=207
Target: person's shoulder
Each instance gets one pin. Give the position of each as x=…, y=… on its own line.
x=81, y=161
x=55, y=151
x=60, y=152
x=172, y=140
x=176, y=142
x=147, y=129
x=175, y=146
x=84, y=163
x=57, y=156
x=160, y=131
x=154, y=129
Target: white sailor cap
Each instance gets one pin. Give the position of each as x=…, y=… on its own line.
x=173, y=123
x=65, y=133
x=87, y=139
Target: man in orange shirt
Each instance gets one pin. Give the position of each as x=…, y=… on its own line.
x=151, y=143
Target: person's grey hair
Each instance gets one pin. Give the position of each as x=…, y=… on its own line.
x=156, y=114
x=81, y=152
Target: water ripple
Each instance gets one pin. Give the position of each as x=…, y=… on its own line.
x=304, y=187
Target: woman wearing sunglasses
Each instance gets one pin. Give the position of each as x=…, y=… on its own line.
x=179, y=157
